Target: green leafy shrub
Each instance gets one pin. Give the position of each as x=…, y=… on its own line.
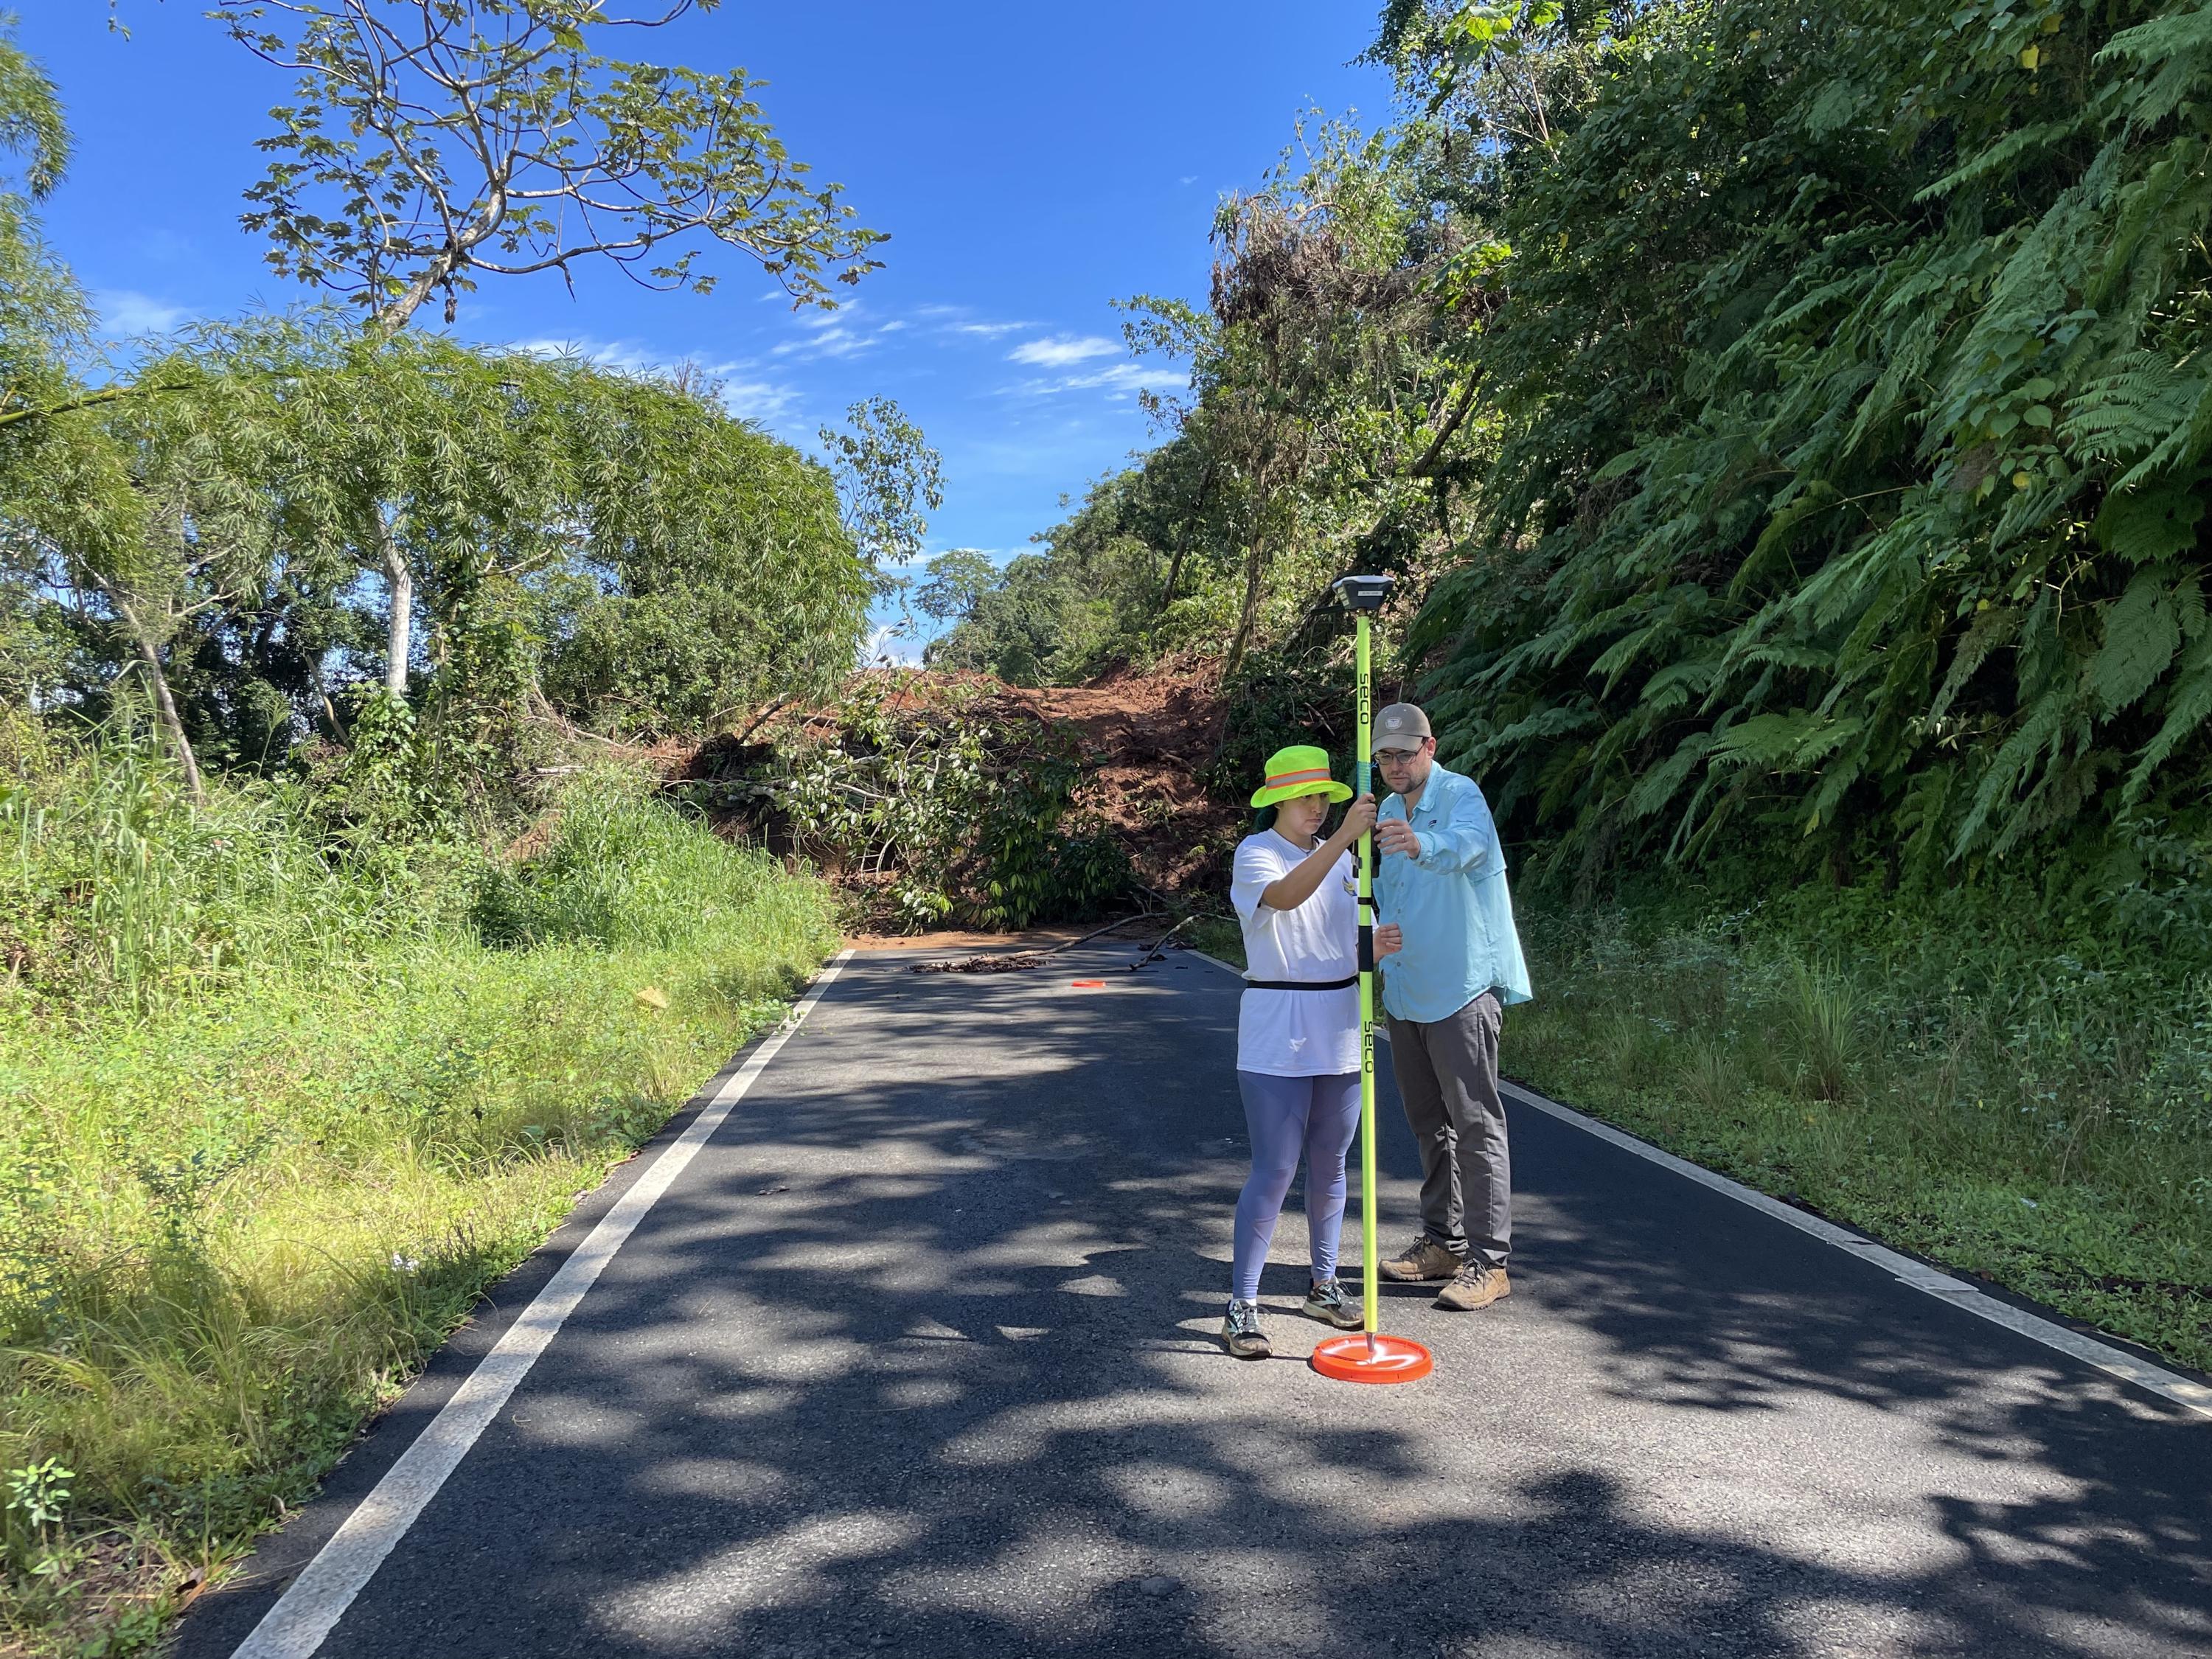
x=1272, y=700
x=929, y=803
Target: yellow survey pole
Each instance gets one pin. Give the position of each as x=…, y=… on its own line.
x=1372, y=1356
x=1370, y=1278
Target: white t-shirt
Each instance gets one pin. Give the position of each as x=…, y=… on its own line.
x=1297, y=1033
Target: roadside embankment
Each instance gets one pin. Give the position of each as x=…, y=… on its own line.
x=273, y=1117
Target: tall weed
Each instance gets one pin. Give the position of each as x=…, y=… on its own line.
x=275, y=1109
x=1821, y=1018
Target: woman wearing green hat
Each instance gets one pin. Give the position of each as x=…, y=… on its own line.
x=1297, y=1027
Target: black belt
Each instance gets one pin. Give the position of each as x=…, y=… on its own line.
x=1345, y=984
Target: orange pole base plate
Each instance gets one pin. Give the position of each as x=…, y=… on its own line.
x=1372, y=1360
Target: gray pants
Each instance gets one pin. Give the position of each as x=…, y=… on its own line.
x=1447, y=1072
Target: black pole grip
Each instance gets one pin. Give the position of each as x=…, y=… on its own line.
x=1366, y=947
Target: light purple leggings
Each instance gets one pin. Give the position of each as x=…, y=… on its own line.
x=1286, y=1116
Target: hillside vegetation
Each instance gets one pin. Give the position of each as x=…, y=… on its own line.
x=1789, y=427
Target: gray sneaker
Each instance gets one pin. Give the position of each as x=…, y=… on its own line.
x=1240, y=1333
x=1326, y=1302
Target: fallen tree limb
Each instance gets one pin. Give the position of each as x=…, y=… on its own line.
x=1015, y=960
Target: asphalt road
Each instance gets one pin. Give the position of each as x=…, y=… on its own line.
x=916, y=1356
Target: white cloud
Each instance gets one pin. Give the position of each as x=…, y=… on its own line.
x=838, y=342
x=889, y=640
x=1115, y=378
x=1056, y=350
x=623, y=357
x=839, y=333
x=124, y=311
x=747, y=399
x=1189, y=179
x=962, y=319
x=759, y=400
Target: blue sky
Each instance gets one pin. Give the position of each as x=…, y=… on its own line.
x=1031, y=163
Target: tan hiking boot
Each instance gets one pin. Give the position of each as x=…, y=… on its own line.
x=1474, y=1287
x=1422, y=1259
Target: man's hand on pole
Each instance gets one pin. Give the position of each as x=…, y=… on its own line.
x=1388, y=941
x=1397, y=835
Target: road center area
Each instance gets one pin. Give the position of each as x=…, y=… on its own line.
x=917, y=1355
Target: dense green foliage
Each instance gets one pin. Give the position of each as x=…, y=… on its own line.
x=1132, y=573
x=275, y=1112
x=337, y=959
x=1849, y=476
x=1791, y=428
x=928, y=804
x=614, y=549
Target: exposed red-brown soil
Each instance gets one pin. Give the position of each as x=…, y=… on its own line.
x=1149, y=738
x=1153, y=737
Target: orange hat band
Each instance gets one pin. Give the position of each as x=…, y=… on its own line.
x=1278, y=780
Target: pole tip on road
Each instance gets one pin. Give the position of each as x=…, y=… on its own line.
x=1372, y=1358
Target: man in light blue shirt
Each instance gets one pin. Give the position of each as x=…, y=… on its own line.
x=1442, y=879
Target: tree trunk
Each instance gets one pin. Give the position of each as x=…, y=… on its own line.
x=164, y=704
x=1256, y=562
x=1182, y=539
x=1175, y=566
x=400, y=640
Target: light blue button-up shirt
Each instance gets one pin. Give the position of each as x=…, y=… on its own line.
x=1451, y=904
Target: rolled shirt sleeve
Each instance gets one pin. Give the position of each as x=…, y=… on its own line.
x=1466, y=843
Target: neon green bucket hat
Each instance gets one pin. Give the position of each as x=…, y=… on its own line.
x=1301, y=769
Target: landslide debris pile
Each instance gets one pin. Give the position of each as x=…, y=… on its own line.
x=936, y=799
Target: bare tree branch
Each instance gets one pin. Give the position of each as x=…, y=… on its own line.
x=435, y=139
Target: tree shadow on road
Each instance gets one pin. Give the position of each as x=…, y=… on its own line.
x=916, y=1358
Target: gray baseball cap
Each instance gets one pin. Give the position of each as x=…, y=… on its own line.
x=1401, y=726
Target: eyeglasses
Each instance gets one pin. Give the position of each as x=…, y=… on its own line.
x=1396, y=757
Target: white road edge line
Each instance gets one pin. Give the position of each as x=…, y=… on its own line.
x=2113, y=1362
x=313, y=1604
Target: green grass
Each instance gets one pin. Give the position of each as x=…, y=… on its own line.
x=272, y=1118
x=2003, y=1111
x=1965, y=1086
